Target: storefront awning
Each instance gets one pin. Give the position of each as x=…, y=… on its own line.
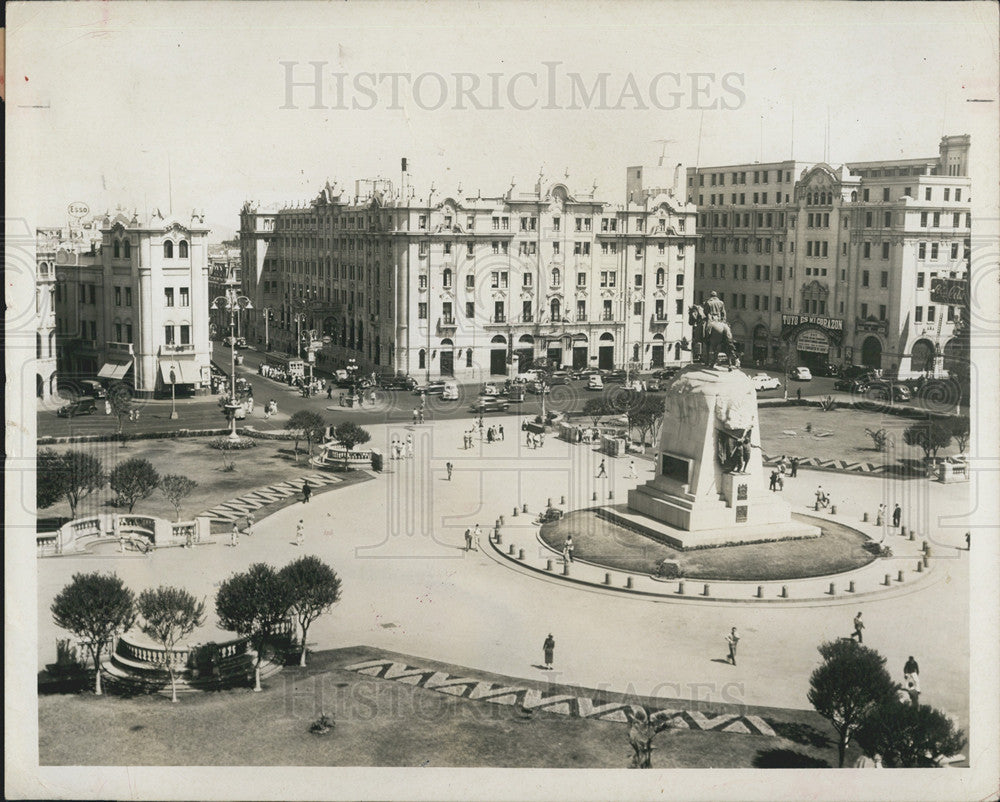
x=115, y=369
x=186, y=371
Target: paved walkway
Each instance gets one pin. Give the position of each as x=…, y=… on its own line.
x=238, y=508
x=410, y=588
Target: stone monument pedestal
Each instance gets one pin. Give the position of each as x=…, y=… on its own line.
x=708, y=487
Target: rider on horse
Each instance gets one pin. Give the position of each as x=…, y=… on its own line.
x=712, y=332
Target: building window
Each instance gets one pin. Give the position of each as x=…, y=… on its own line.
x=884, y=279
x=118, y=249
x=881, y=312
x=661, y=276
x=887, y=219
x=555, y=223
x=526, y=280
x=182, y=249
x=446, y=279
x=555, y=247
x=934, y=251
x=470, y=222
x=128, y=296
x=128, y=332
x=923, y=219
x=954, y=250
x=918, y=314
x=920, y=281
x=422, y=281
x=168, y=250
x=422, y=223
x=526, y=311
x=470, y=309
x=679, y=281
x=638, y=280
x=447, y=249
x=470, y=282
x=185, y=297
x=867, y=250
x=185, y=335
x=555, y=309
x=581, y=310
x=168, y=335
x=885, y=194
x=422, y=310
x=499, y=313
x=556, y=277
x=118, y=334
x=777, y=303
x=421, y=359
x=885, y=250
x=470, y=248
x=637, y=308
x=581, y=279
x=127, y=249
x=168, y=296
x=864, y=278
x=468, y=357
x=927, y=193
x=118, y=297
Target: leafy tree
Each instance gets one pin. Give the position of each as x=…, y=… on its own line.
x=880, y=438
x=96, y=608
x=120, y=399
x=930, y=435
x=595, y=409
x=166, y=615
x=50, y=478
x=308, y=426
x=176, y=489
x=851, y=681
x=645, y=415
x=959, y=428
x=349, y=435
x=314, y=588
x=82, y=473
x=909, y=735
x=133, y=480
x=642, y=729
x=254, y=604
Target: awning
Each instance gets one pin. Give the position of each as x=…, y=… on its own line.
x=115, y=369
x=186, y=371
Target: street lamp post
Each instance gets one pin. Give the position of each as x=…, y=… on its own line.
x=232, y=302
x=352, y=371
x=173, y=394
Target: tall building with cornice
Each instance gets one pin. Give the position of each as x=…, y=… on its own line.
x=864, y=263
x=469, y=286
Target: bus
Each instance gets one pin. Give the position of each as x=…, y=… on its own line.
x=289, y=365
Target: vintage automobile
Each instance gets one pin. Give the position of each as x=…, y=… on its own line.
x=488, y=404
x=595, y=383
x=800, y=374
x=762, y=381
x=82, y=406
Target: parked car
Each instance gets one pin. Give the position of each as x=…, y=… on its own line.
x=399, y=382
x=528, y=376
x=595, y=383
x=490, y=390
x=514, y=392
x=851, y=385
x=881, y=391
x=433, y=388
x=654, y=385
x=558, y=378
x=859, y=372
x=801, y=374
x=450, y=392
x=586, y=373
x=826, y=369
x=762, y=382
x=537, y=388
x=615, y=376
x=82, y=406
x=92, y=388
x=665, y=373
x=489, y=404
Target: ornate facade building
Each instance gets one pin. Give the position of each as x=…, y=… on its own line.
x=863, y=263
x=469, y=286
x=134, y=307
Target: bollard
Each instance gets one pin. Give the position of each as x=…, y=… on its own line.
x=864, y=518
x=705, y=592
x=833, y=509
x=562, y=500
x=833, y=589
x=548, y=565
x=520, y=554
x=501, y=520
x=595, y=496
x=524, y=508
x=886, y=582
x=628, y=582
x=923, y=546
x=611, y=495
x=499, y=538
x=902, y=531
x=920, y=566
x=515, y=512
x=607, y=579
x=816, y=507
x=850, y=587
x=760, y=591
x=680, y=588
x=913, y=535
x=565, y=568
x=784, y=591
x=899, y=577
x=510, y=551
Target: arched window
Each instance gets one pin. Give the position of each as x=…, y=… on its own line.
x=854, y=197
x=182, y=249
x=661, y=277
x=556, y=277
x=128, y=249
x=168, y=250
x=118, y=249
x=446, y=278
x=38, y=345
x=421, y=359
x=555, y=309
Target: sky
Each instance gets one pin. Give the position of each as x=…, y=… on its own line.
x=149, y=105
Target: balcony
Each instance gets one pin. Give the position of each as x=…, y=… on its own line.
x=658, y=319
x=446, y=323
x=497, y=320
x=176, y=348
x=607, y=316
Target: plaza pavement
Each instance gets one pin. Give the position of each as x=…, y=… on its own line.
x=409, y=587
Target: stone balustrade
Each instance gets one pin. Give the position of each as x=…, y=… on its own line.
x=77, y=534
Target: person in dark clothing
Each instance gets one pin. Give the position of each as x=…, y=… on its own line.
x=549, y=648
x=306, y=491
x=795, y=467
x=897, y=515
x=911, y=667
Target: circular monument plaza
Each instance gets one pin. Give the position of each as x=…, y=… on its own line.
x=620, y=619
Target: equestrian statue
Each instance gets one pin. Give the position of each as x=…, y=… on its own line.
x=710, y=332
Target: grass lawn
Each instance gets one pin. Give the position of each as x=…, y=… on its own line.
x=600, y=541
x=385, y=723
x=848, y=440
x=271, y=461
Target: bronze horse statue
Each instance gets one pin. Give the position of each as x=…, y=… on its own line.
x=711, y=336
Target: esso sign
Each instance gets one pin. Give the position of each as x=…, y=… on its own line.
x=78, y=209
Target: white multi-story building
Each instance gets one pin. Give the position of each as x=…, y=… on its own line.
x=135, y=308
x=468, y=286
x=864, y=263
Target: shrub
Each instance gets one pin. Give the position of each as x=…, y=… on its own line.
x=225, y=444
x=877, y=549
x=667, y=570
x=377, y=462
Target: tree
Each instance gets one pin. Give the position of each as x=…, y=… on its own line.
x=595, y=409
x=176, y=489
x=959, y=428
x=909, y=735
x=96, y=608
x=50, y=478
x=308, y=426
x=314, y=589
x=880, y=438
x=850, y=682
x=254, y=604
x=133, y=480
x=642, y=729
x=930, y=435
x=166, y=615
x=349, y=435
x=120, y=399
x=643, y=415
x=82, y=473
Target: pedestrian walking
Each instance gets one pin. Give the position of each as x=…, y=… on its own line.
x=601, y=471
x=859, y=626
x=448, y=465
x=107, y=407
x=476, y=535
x=880, y=515
x=300, y=533
x=795, y=467
x=911, y=667
x=798, y=394
x=409, y=446
x=549, y=648
x=782, y=465
x=968, y=542
x=234, y=536
x=416, y=414
x=306, y=491
x=329, y=390
x=530, y=440
x=631, y=470
x=897, y=516
x=821, y=498
x=774, y=481
x=250, y=522
x=732, y=640
x=568, y=549
x=500, y=432
x=468, y=540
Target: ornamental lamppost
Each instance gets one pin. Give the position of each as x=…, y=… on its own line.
x=232, y=302
x=173, y=396
x=352, y=372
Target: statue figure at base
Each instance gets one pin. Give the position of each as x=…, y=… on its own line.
x=734, y=450
x=710, y=332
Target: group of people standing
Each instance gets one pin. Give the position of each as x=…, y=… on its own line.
x=399, y=448
x=782, y=468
